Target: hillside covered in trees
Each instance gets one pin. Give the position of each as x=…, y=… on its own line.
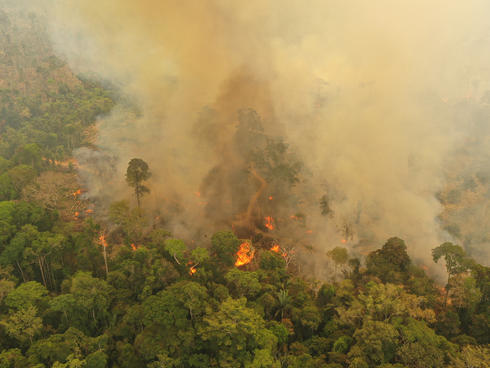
x=79, y=290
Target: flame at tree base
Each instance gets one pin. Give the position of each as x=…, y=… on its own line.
x=245, y=254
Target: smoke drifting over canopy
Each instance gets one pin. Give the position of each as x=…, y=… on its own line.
x=363, y=92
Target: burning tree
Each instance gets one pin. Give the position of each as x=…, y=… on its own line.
x=138, y=172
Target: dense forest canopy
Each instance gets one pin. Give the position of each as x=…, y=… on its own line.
x=94, y=280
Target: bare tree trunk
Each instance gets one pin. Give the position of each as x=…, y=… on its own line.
x=42, y=271
x=51, y=274
x=138, y=194
x=447, y=292
x=105, y=261
x=21, y=272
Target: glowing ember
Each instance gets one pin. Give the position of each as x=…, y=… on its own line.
x=89, y=211
x=269, y=222
x=77, y=214
x=276, y=248
x=133, y=246
x=344, y=241
x=192, y=270
x=245, y=254
x=78, y=192
x=270, y=198
x=102, y=240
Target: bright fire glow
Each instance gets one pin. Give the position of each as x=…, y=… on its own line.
x=244, y=255
x=269, y=222
x=192, y=270
x=78, y=192
x=133, y=246
x=276, y=248
x=270, y=198
x=102, y=240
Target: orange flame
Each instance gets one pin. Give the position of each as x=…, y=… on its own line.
x=245, y=254
x=102, y=240
x=89, y=211
x=77, y=214
x=269, y=223
x=133, y=246
x=270, y=198
x=192, y=270
x=78, y=192
x=276, y=248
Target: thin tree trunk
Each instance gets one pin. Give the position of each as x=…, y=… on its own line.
x=21, y=272
x=137, y=190
x=42, y=272
x=447, y=293
x=105, y=261
x=51, y=274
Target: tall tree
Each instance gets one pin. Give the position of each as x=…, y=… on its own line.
x=138, y=171
x=339, y=256
x=456, y=261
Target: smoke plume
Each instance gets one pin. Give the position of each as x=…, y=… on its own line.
x=364, y=94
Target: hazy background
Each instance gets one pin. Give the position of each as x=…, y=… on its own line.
x=386, y=103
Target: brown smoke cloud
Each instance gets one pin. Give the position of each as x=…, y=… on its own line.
x=361, y=90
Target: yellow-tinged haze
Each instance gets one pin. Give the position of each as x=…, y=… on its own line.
x=364, y=91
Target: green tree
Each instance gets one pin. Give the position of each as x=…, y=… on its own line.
x=236, y=334
x=130, y=220
x=12, y=358
x=28, y=294
x=23, y=324
x=456, y=261
x=339, y=255
x=176, y=248
x=243, y=283
x=30, y=154
x=224, y=245
x=391, y=262
x=21, y=175
x=87, y=304
x=138, y=172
